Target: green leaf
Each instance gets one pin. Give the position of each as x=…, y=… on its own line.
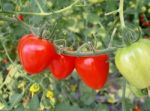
x=129, y=104
x=20, y=108
x=102, y=107
x=92, y=18
x=8, y=6
x=146, y=104
x=34, y=103
x=15, y=98
x=111, y=5
x=87, y=94
x=1, y=78
x=67, y=107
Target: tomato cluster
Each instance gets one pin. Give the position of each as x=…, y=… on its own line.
x=142, y=21
x=37, y=54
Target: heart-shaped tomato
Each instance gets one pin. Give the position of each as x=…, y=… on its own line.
x=62, y=66
x=93, y=70
x=35, y=53
x=133, y=62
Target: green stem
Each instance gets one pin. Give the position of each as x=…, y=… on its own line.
x=113, y=12
x=7, y=19
x=123, y=95
x=43, y=13
x=39, y=6
x=6, y=52
x=91, y=47
x=95, y=40
x=97, y=52
x=112, y=37
x=73, y=53
x=26, y=26
x=19, y=98
x=62, y=41
x=121, y=14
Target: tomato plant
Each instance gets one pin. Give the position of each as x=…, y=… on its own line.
x=62, y=66
x=93, y=70
x=72, y=25
x=35, y=53
x=133, y=63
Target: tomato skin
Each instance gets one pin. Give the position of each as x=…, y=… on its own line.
x=133, y=62
x=35, y=53
x=141, y=18
x=93, y=70
x=137, y=108
x=146, y=24
x=62, y=66
x=20, y=17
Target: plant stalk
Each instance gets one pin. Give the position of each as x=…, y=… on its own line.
x=123, y=95
x=121, y=13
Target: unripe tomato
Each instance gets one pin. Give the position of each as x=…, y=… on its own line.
x=35, y=53
x=62, y=66
x=138, y=92
x=143, y=9
x=133, y=63
x=93, y=70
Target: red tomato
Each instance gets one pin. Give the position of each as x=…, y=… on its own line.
x=35, y=53
x=93, y=70
x=146, y=24
x=141, y=18
x=20, y=17
x=62, y=66
x=137, y=108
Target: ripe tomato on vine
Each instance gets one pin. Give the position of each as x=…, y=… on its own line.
x=93, y=70
x=35, y=53
x=62, y=66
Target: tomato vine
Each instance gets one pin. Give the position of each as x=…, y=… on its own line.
x=76, y=47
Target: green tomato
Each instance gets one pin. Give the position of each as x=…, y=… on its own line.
x=138, y=92
x=133, y=62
